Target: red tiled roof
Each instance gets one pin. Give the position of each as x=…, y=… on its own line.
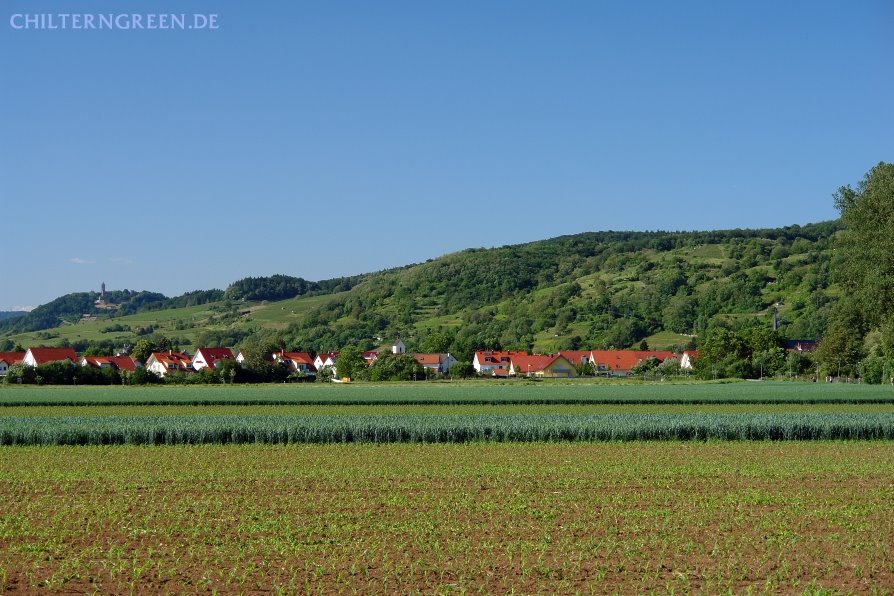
x=123, y=363
x=303, y=357
x=535, y=363
x=625, y=360
x=96, y=361
x=44, y=355
x=297, y=358
x=178, y=359
x=212, y=355
x=496, y=356
x=576, y=357
x=119, y=362
x=12, y=357
x=430, y=359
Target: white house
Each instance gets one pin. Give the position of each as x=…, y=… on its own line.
x=398, y=347
x=211, y=357
x=8, y=359
x=326, y=359
x=38, y=356
x=161, y=363
x=485, y=362
x=437, y=363
x=296, y=361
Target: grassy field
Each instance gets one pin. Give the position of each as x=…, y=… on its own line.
x=444, y=413
x=518, y=392
x=531, y=518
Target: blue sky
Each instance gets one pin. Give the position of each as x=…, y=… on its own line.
x=321, y=139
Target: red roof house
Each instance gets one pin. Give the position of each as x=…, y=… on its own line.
x=296, y=361
x=621, y=362
x=542, y=365
x=162, y=363
x=8, y=359
x=38, y=356
x=486, y=361
x=125, y=363
x=211, y=357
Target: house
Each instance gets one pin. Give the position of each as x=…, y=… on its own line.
x=619, y=363
x=296, y=361
x=124, y=363
x=576, y=357
x=325, y=359
x=8, y=359
x=485, y=362
x=38, y=356
x=436, y=363
x=161, y=363
x=554, y=366
x=500, y=372
x=240, y=357
x=687, y=358
x=398, y=347
x=211, y=357
x=447, y=362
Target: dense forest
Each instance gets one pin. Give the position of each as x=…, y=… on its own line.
x=594, y=290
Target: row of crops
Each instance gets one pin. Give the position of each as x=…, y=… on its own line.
x=169, y=430
x=482, y=393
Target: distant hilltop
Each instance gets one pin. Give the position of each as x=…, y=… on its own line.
x=11, y=314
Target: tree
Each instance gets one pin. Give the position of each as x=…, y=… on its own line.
x=350, y=363
x=437, y=342
x=865, y=248
x=840, y=350
x=670, y=367
x=144, y=347
x=462, y=370
x=393, y=367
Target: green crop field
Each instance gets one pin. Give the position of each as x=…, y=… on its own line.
x=456, y=393
x=443, y=413
x=786, y=517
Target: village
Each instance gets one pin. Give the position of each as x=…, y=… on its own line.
x=307, y=365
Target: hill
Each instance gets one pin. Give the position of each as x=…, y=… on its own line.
x=597, y=289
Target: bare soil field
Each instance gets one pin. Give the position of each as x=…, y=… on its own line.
x=541, y=517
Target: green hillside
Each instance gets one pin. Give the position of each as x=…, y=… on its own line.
x=594, y=290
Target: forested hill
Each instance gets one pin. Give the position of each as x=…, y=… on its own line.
x=593, y=290
x=71, y=308
x=11, y=314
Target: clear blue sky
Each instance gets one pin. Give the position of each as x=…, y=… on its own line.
x=321, y=139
